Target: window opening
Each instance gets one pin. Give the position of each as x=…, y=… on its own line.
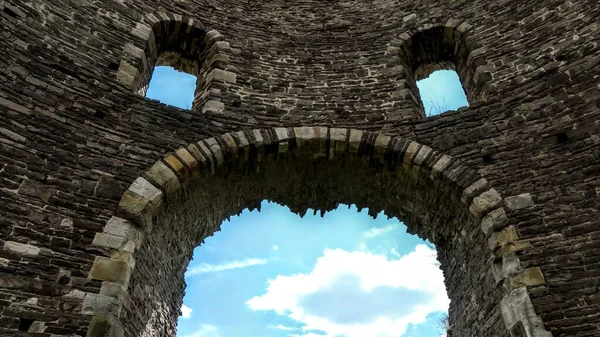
x=172, y=87
x=273, y=273
x=441, y=91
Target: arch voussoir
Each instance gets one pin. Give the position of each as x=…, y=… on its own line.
x=166, y=181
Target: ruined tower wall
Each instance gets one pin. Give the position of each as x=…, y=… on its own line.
x=74, y=135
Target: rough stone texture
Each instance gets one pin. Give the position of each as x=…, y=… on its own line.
x=507, y=189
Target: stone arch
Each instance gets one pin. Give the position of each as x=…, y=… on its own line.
x=435, y=195
x=186, y=45
x=441, y=46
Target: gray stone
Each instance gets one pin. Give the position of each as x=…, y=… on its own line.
x=518, y=202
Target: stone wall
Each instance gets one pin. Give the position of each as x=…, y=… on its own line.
x=74, y=135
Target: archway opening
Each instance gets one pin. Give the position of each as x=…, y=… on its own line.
x=274, y=273
x=184, y=198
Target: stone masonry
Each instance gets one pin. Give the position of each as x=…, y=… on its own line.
x=310, y=103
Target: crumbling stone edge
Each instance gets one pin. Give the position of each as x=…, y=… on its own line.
x=168, y=178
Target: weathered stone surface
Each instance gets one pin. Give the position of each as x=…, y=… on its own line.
x=106, y=269
x=526, y=277
x=485, y=202
x=20, y=248
x=493, y=221
x=164, y=177
x=75, y=131
x=518, y=202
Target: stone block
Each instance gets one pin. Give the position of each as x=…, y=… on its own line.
x=105, y=326
x=213, y=35
x=216, y=151
x=106, y=269
x=135, y=52
x=213, y=106
x=164, y=176
x=355, y=140
x=127, y=74
x=282, y=139
x=222, y=45
x=321, y=134
x=148, y=191
x=493, y=221
x=524, y=278
x=36, y=189
x=409, y=154
x=338, y=141
x=110, y=241
x=200, y=157
x=177, y=166
x=221, y=76
x=217, y=58
x=116, y=291
x=243, y=144
x=516, y=308
x=124, y=256
x=97, y=304
x=475, y=188
x=512, y=247
x=443, y=162
x=231, y=145
x=381, y=144
x=137, y=209
x=142, y=31
x=485, y=202
x=304, y=135
x=518, y=202
x=116, y=226
x=21, y=248
x=421, y=156
x=188, y=159
x=203, y=147
x=508, y=266
x=503, y=237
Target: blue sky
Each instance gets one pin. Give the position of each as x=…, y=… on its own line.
x=274, y=274
x=441, y=91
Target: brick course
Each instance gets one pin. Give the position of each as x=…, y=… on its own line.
x=311, y=104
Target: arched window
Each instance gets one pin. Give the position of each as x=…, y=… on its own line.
x=446, y=47
x=184, y=44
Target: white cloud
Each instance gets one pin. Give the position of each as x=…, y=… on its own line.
x=205, y=268
x=281, y=327
x=377, y=231
x=206, y=330
x=310, y=334
x=186, y=312
x=275, y=247
x=359, y=294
